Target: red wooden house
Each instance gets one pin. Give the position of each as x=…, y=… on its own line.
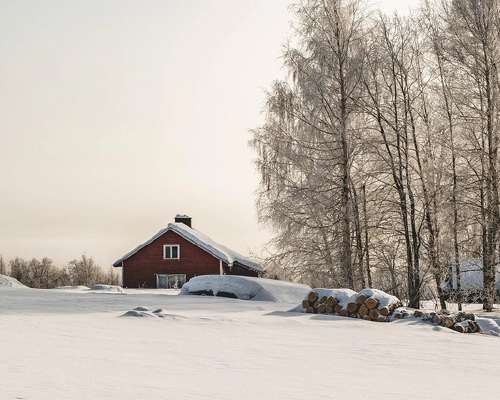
x=176, y=254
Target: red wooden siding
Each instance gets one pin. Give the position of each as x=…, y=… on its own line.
x=140, y=269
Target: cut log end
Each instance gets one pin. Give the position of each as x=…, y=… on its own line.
x=352, y=308
x=312, y=297
x=385, y=311
x=373, y=314
x=331, y=301
x=321, y=308
x=363, y=310
x=371, y=303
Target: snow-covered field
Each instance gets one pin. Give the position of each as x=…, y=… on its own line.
x=72, y=344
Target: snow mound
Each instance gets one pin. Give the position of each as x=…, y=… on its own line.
x=107, y=288
x=140, y=314
x=144, y=312
x=488, y=326
x=246, y=288
x=8, y=281
x=78, y=287
x=384, y=299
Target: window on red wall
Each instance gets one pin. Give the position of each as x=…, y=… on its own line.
x=171, y=251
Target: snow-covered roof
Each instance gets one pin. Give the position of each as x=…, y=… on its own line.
x=201, y=240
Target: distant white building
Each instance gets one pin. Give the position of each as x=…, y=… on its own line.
x=471, y=279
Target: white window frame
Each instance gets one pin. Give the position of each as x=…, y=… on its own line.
x=165, y=246
x=167, y=277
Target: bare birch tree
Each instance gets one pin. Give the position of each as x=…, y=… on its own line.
x=378, y=158
x=305, y=148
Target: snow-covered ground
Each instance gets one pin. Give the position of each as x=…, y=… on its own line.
x=72, y=344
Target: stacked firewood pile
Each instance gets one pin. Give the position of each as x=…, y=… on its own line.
x=369, y=304
x=376, y=305
x=462, y=322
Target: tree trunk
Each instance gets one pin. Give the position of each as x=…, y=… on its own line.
x=367, y=252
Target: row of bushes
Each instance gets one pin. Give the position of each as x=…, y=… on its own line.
x=44, y=274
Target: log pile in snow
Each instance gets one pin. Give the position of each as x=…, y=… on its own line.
x=462, y=322
x=369, y=304
x=376, y=305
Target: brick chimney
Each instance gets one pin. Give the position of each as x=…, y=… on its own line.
x=185, y=219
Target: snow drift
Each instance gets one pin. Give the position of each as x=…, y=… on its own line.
x=8, y=281
x=144, y=312
x=69, y=287
x=106, y=288
x=488, y=326
x=245, y=288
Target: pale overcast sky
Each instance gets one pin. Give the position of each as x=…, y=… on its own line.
x=118, y=114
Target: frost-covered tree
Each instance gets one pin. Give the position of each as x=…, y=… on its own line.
x=3, y=266
x=306, y=146
x=378, y=157
x=473, y=49
x=84, y=271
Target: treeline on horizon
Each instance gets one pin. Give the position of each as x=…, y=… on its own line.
x=44, y=274
x=378, y=156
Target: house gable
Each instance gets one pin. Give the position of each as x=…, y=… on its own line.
x=153, y=251
x=140, y=268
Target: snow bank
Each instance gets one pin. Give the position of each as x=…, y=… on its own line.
x=246, y=288
x=140, y=314
x=79, y=287
x=107, y=288
x=488, y=326
x=8, y=281
x=144, y=312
